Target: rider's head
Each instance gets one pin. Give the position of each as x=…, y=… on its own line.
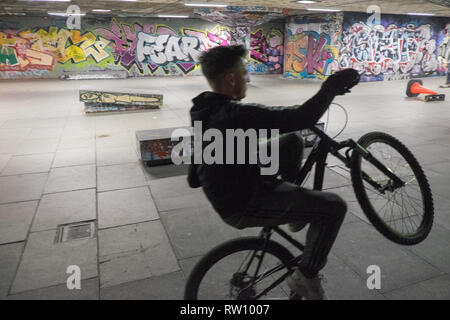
x=226, y=71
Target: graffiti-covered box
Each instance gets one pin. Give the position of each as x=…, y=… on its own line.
x=110, y=100
x=155, y=146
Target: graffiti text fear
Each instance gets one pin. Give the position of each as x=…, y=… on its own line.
x=163, y=49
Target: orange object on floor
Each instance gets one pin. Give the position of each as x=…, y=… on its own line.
x=416, y=88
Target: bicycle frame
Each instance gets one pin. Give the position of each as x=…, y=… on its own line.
x=327, y=145
x=318, y=157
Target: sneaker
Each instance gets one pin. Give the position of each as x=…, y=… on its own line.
x=310, y=289
x=446, y=85
x=296, y=227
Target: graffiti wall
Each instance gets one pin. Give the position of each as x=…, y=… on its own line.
x=309, y=46
x=142, y=48
x=443, y=51
x=267, y=48
x=399, y=47
x=42, y=49
x=312, y=46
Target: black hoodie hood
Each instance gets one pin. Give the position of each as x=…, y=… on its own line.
x=205, y=103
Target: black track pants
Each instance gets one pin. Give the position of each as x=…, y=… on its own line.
x=289, y=203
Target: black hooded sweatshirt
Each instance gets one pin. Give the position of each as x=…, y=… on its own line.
x=229, y=187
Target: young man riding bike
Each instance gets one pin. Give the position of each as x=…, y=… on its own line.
x=239, y=193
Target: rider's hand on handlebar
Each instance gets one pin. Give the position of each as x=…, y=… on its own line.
x=342, y=81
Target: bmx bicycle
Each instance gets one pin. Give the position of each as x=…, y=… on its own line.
x=392, y=191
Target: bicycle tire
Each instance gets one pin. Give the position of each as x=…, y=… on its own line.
x=361, y=193
x=226, y=249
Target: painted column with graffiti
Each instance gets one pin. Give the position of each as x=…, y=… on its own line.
x=312, y=46
x=138, y=48
x=400, y=47
x=253, y=27
x=443, y=51
x=267, y=48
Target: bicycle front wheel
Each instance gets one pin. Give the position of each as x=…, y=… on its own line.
x=230, y=271
x=405, y=214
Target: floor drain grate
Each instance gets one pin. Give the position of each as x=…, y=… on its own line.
x=75, y=231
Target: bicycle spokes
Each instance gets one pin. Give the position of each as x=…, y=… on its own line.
x=235, y=277
x=255, y=278
x=394, y=180
x=400, y=206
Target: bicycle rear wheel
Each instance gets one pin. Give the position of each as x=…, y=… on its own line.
x=403, y=215
x=226, y=273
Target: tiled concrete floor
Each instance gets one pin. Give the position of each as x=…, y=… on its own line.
x=59, y=166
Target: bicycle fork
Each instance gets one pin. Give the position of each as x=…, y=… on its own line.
x=352, y=145
x=266, y=234
x=329, y=145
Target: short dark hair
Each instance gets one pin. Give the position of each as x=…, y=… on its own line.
x=218, y=60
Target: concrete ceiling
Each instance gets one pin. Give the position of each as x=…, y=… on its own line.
x=154, y=7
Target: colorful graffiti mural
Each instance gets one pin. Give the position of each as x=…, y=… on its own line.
x=443, y=51
x=398, y=48
x=378, y=50
x=308, y=46
x=160, y=46
x=310, y=55
x=42, y=49
x=312, y=46
x=267, y=50
x=140, y=49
